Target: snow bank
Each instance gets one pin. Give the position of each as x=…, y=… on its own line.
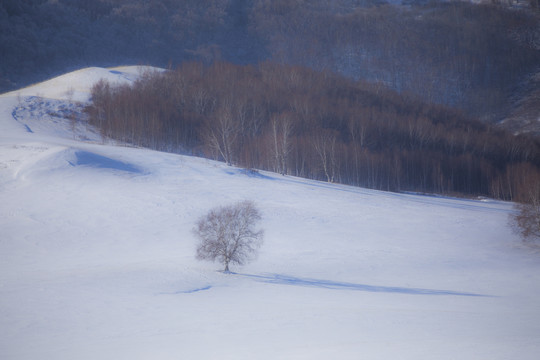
x=76, y=85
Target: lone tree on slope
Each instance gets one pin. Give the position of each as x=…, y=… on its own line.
x=227, y=234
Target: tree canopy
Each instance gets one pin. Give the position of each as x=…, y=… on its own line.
x=227, y=234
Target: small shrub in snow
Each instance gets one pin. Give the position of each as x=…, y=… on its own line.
x=526, y=220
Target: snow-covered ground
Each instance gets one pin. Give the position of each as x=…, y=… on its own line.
x=97, y=257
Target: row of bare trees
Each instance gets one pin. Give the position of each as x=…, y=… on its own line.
x=297, y=121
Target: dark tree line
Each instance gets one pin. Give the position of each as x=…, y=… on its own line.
x=477, y=58
x=318, y=125
x=452, y=53
x=41, y=38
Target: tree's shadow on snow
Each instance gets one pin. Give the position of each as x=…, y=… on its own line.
x=337, y=285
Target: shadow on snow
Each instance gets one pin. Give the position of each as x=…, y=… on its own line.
x=190, y=291
x=98, y=161
x=252, y=173
x=337, y=285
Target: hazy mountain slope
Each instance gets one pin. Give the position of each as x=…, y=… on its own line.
x=97, y=261
x=475, y=57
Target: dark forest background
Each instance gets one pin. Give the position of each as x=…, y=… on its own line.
x=482, y=59
x=417, y=95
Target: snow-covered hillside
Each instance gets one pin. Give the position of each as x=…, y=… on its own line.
x=97, y=257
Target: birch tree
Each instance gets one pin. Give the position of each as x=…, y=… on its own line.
x=281, y=128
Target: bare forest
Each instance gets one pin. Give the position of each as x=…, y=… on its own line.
x=320, y=125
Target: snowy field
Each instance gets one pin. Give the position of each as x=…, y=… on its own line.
x=97, y=257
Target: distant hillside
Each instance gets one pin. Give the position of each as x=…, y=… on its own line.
x=478, y=58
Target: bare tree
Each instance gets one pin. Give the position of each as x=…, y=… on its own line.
x=221, y=134
x=281, y=128
x=526, y=222
x=227, y=234
x=324, y=143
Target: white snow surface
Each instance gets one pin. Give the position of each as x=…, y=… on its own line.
x=97, y=257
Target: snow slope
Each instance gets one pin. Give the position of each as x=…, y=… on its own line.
x=97, y=257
